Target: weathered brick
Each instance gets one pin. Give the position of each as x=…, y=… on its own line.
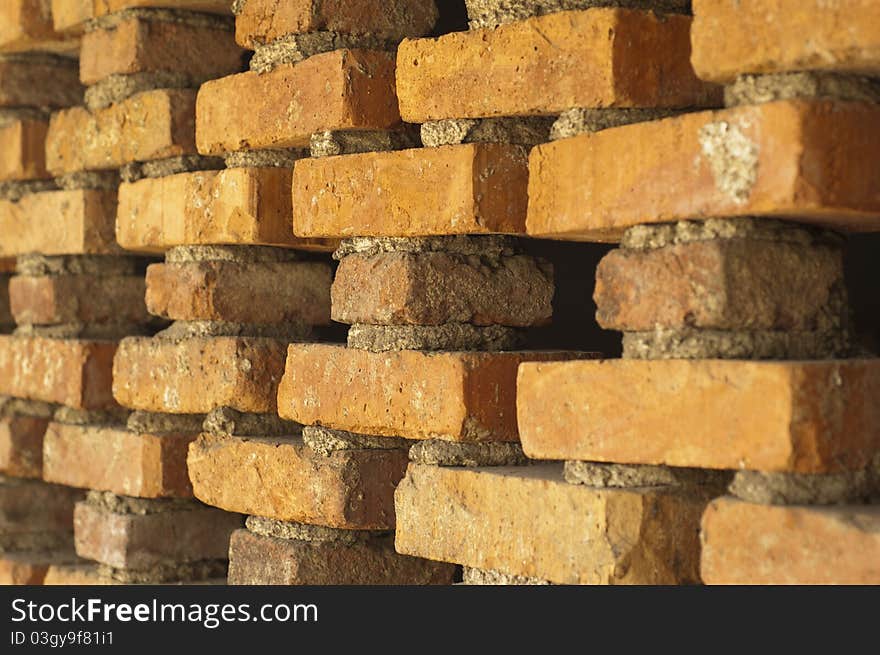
x=78, y=222
x=39, y=83
x=546, y=64
x=139, y=541
x=32, y=506
x=70, y=372
x=473, y=188
x=71, y=14
x=21, y=445
x=721, y=284
x=458, y=396
x=772, y=36
x=240, y=206
x=115, y=459
x=433, y=288
x=264, y=293
x=26, y=26
x=149, y=125
x=143, y=46
x=31, y=568
x=260, y=560
x=75, y=574
x=262, y=21
x=23, y=150
x=777, y=159
x=95, y=299
x=528, y=521
x=804, y=417
x=745, y=543
x=196, y=375
x=339, y=90
x=285, y=480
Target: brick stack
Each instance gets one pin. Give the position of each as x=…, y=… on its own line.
x=736, y=330
x=141, y=63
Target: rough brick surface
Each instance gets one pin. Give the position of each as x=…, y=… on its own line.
x=76, y=222
x=30, y=568
x=457, y=396
x=285, y=480
x=261, y=560
x=551, y=63
x=23, y=150
x=194, y=376
x=777, y=159
x=340, y=90
x=142, y=46
x=242, y=206
x=71, y=14
x=94, y=299
x=70, y=372
x=771, y=36
x=150, y=125
x=26, y=26
x=32, y=506
x=39, y=83
x=114, y=459
x=21, y=445
x=264, y=293
x=745, y=543
x=804, y=417
x=528, y=521
x=461, y=189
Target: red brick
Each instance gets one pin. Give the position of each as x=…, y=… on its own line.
x=71, y=14
x=21, y=446
x=39, y=83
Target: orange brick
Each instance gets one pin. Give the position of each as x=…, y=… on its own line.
x=264, y=293
x=196, y=375
x=778, y=159
x=285, y=480
x=343, y=89
x=459, y=396
x=804, y=417
x=70, y=372
x=21, y=445
x=7, y=264
x=237, y=206
x=69, y=15
x=26, y=26
x=751, y=544
x=75, y=574
x=544, y=65
x=114, y=459
x=473, y=188
x=774, y=36
x=528, y=521
x=150, y=125
x=39, y=83
x=76, y=222
x=23, y=150
x=30, y=568
x=262, y=21
x=143, y=46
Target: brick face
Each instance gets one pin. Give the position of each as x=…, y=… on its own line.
x=23, y=155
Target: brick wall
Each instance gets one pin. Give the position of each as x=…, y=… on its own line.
x=543, y=291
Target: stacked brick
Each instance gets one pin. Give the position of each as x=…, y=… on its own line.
x=141, y=63
x=728, y=286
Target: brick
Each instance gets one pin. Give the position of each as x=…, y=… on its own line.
x=474, y=188
x=768, y=36
x=722, y=284
x=23, y=150
x=546, y=64
x=528, y=521
x=69, y=15
x=30, y=568
x=283, y=479
x=457, y=396
x=93, y=299
x=75, y=574
x=800, y=417
x=777, y=159
x=339, y=90
x=32, y=506
x=263, y=21
x=433, y=288
x=143, y=46
x=26, y=26
x=196, y=375
x=21, y=446
x=261, y=560
x=39, y=83
x=264, y=293
x=744, y=543
x=71, y=372
x=149, y=125
x=114, y=459
x=139, y=541
x=78, y=222
x=7, y=265
x=239, y=206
